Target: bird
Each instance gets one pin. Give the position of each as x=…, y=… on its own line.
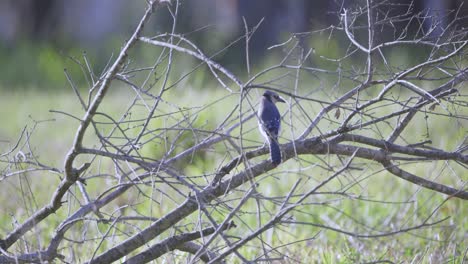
x=269, y=123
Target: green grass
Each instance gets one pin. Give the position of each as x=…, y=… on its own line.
x=395, y=203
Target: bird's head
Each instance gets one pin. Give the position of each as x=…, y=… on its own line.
x=273, y=97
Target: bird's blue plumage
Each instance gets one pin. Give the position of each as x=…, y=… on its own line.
x=270, y=123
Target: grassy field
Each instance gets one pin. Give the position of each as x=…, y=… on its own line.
x=381, y=201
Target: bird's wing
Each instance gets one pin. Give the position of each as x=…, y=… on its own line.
x=272, y=126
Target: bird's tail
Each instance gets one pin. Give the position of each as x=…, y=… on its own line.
x=275, y=152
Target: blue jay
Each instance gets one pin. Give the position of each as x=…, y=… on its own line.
x=269, y=123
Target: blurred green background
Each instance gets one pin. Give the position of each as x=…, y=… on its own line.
x=39, y=39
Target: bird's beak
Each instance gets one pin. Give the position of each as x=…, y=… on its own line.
x=280, y=99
